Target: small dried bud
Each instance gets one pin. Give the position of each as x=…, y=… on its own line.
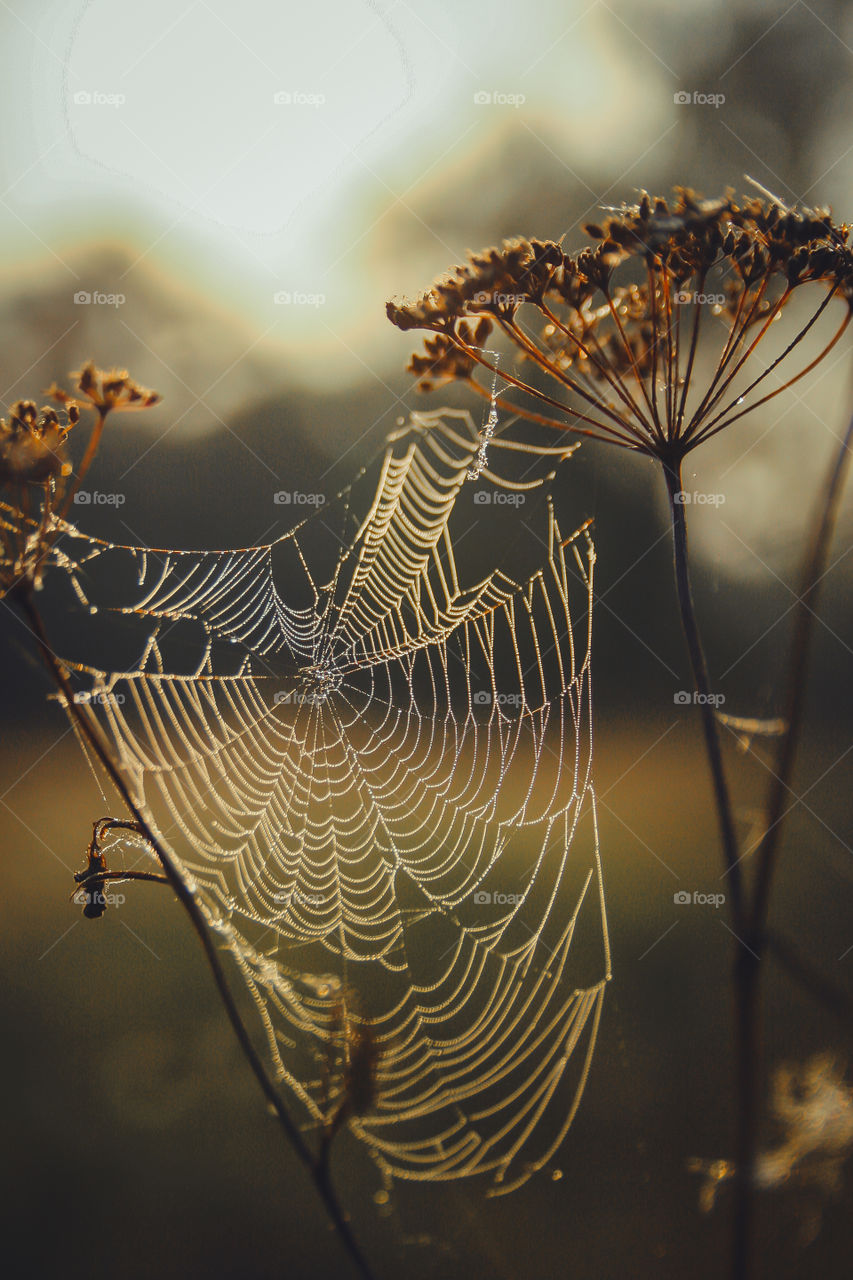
x=108, y=392
x=32, y=445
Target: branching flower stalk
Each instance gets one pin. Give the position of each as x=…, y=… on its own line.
x=34, y=469
x=612, y=340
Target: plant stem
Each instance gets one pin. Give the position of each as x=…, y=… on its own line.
x=88, y=457
x=813, y=571
x=710, y=726
x=748, y=964
x=317, y=1169
x=747, y=1034
x=747, y=956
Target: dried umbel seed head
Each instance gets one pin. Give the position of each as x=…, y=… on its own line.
x=444, y=361
x=108, y=391
x=33, y=453
x=621, y=353
x=496, y=281
x=32, y=444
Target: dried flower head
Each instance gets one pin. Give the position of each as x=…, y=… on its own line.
x=32, y=444
x=623, y=352
x=108, y=391
x=34, y=465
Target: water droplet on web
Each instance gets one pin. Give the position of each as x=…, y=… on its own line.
x=281, y=805
x=480, y=462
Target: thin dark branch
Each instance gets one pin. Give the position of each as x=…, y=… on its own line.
x=710, y=726
x=812, y=574
x=804, y=972
x=318, y=1172
x=746, y=967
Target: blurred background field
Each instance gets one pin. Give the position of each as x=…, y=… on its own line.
x=134, y=1141
x=139, y=1144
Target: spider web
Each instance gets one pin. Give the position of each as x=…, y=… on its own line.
x=376, y=778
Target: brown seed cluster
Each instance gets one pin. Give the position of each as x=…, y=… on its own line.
x=112, y=391
x=35, y=470
x=623, y=350
x=32, y=444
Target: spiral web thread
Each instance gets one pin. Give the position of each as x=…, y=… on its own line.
x=378, y=784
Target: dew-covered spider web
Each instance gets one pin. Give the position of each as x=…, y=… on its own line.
x=374, y=771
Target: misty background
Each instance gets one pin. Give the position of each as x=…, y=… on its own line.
x=221, y=197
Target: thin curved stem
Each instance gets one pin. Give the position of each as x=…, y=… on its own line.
x=813, y=572
x=595, y=358
x=509, y=378
x=756, y=937
x=526, y=344
x=88, y=458
x=543, y=421
x=652, y=280
x=707, y=432
x=833, y=998
x=691, y=359
x=736, y=337
x=708, y=428
x=319, y=1174
x=671, y=381
x=601, y=362
x=98, y=876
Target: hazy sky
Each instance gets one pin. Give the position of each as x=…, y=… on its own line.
x=258, y=148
